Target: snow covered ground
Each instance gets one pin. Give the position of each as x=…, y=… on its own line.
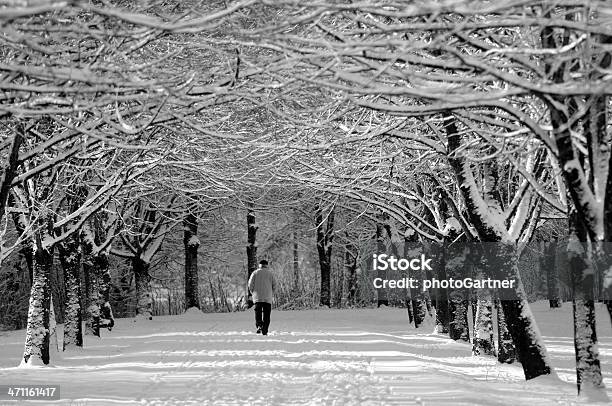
x=339, y=357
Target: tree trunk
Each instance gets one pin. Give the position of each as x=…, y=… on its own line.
x=588, y=369
x=483, y=343
x=350, y=263
x=191, y=243
x=70, y=258
x=417, y=298
x=296, y=264
x=27, y=245
x=144, y=299
x=107, y=319
x=9, y=171
x=506, y=353
x=251, y=249
x=38, y=327
x=442, y=308
x=381, y=248
x=324, y=249
x=92, y=297
x=519, y=319
x=458, y=312
x=549, y=266
x=457, y=298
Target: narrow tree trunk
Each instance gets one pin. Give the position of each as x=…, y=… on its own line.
x=9, y=170
x=191, y=244
x=549, y=266
x=442, y=308
x=27, y=245
x=296, y=265
x=324, y=249
x=417, y=298
x=350, y=263
x=251, y=249
x=107, y=319
x=38, y=328
x=457, y=298
x=381, y=248
x=92, y=297
x=144, y=299
x=70, y=259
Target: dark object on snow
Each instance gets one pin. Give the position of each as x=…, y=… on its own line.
x=262, y=316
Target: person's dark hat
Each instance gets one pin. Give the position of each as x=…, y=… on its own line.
x=263, y=262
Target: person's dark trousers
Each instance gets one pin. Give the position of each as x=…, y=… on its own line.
x=262, y=316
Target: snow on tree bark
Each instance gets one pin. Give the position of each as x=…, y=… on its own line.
x=91, y=284
x=484, y=216
x=589, y=379
x=191, y=244
x=142, y=278
x=107, y=319
x=457, y=298
x=525, y=334
x=38, y=326
x=483, y=343
x=70, y=259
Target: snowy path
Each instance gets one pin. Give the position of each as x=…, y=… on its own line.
x=340, y=357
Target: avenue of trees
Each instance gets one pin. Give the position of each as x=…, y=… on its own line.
x=135, y=136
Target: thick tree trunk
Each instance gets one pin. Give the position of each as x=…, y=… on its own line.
x=142, y=278
x=506, y=353
x=588, y=369
x=483, y=343
x=191, y=244
x=70, y=258
x=458, y=311
x=38, y=327
x=519, y=319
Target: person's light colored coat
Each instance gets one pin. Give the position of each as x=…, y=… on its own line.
x=262, y=285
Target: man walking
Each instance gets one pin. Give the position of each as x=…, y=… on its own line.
x=262, y=285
